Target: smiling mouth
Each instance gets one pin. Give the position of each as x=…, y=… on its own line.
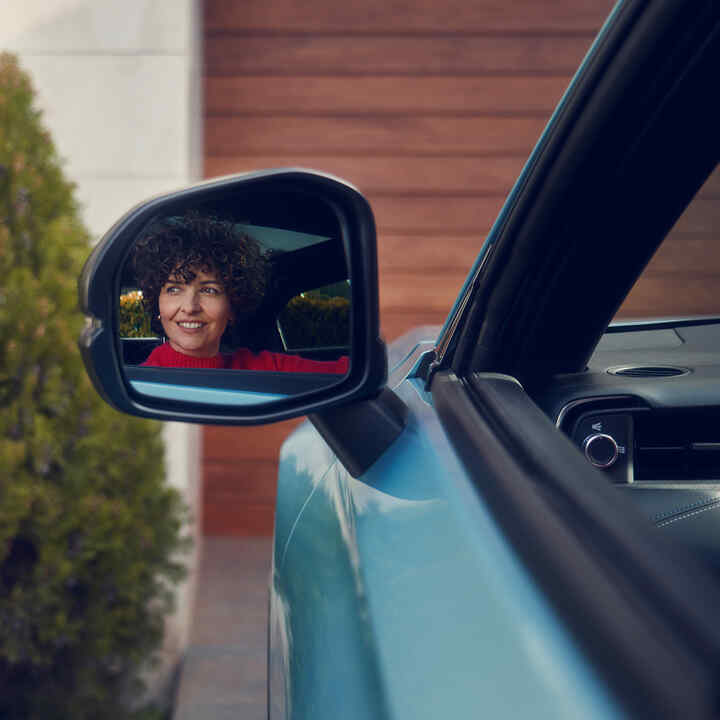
x=190, y=325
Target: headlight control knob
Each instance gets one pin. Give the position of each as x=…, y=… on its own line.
x=601, y=450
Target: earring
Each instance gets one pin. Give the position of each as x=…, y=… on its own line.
x=163, y=338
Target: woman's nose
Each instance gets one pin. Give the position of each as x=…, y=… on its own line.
x=191, y=302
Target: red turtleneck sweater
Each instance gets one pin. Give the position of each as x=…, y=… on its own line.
x=242, y=359
x=164, y=356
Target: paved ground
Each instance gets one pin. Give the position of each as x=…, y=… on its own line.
x=224, y=673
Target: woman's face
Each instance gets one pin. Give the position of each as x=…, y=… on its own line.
x=194, y=314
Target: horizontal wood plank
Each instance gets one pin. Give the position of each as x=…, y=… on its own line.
x=441, y=216
x=465, y=16
x=383, y=95
x=701, y=216
x=393, y=324
x=221, y=444
x=371, y=135
x=428, y=254
x=687, y=252
x=390, y=174
x=238, y=518
x=659, y=294
x=711, y=186
x=420, y=292
x=235, y=54
x=254, y=480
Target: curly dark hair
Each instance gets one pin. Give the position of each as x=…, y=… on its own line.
x=184, y=245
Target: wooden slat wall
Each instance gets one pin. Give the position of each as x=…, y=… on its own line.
x=430, y=108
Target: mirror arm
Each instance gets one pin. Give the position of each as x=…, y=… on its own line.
x=360, y=433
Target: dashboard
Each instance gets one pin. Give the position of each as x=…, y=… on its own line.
x=646, y=413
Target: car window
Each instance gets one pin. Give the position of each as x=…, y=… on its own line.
x=683, y=277
x=317, y=319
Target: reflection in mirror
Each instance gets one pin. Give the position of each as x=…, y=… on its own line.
x=242, y=301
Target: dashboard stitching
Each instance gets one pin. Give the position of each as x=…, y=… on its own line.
x=713, y=506
x=698, y=503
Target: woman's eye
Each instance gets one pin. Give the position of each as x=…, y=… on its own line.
x=172, y=290
x=209, y=290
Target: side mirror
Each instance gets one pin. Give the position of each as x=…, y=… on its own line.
x=243, y=300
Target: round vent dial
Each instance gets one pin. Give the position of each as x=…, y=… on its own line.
x=601, y=450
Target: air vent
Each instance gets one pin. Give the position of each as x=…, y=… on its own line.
x=648, y=371
x=680, y=446
x=693, y=461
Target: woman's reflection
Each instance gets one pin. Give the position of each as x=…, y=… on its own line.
x=197, y=275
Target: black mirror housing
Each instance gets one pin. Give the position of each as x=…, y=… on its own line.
x=101, y=284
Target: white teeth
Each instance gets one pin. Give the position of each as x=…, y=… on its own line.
x=190, y=325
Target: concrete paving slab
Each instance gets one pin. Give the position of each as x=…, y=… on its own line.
x=224, y=674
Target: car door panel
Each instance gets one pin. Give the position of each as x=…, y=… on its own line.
x=403, y=574
x=322, y=664
x=624, y=592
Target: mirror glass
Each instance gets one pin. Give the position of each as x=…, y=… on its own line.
x=238, y=300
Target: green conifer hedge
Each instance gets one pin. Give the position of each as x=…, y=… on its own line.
x=316, y=321
x=89, y=533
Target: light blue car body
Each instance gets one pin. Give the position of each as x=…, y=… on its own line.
x=396, y=595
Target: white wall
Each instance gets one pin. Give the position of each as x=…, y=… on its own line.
x=118, y=82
